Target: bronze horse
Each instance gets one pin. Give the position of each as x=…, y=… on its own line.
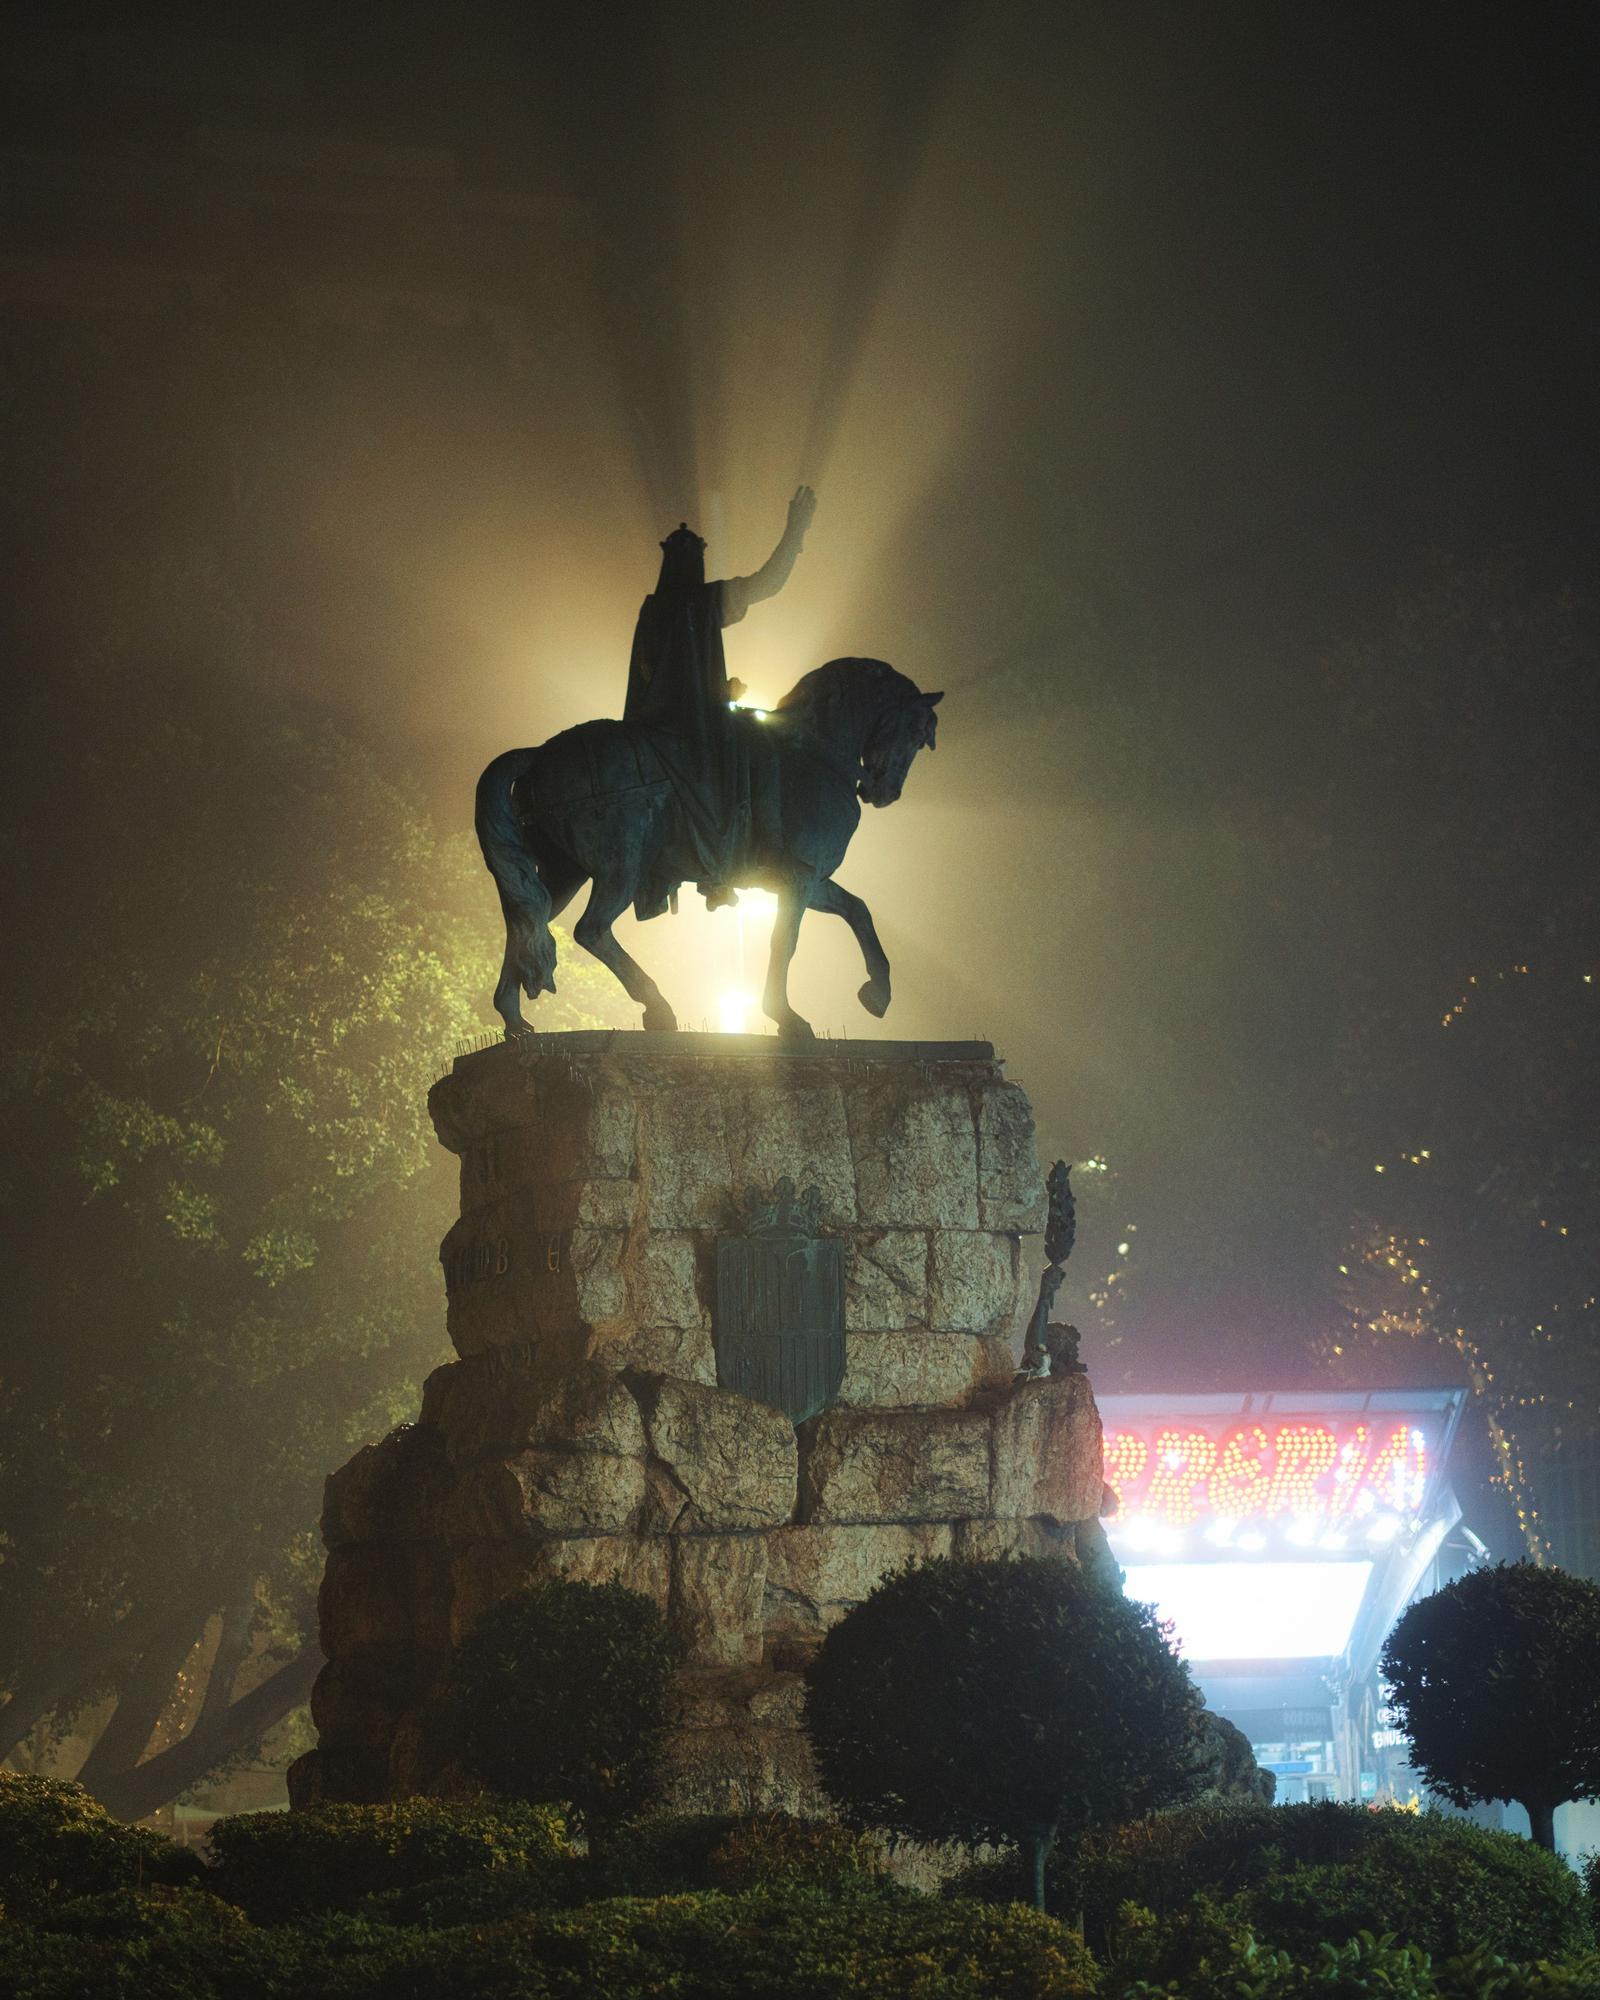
x=597, y=803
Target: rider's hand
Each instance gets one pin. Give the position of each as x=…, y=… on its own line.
x=801, y=509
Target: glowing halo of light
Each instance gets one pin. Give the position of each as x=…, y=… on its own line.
x=733, y=1013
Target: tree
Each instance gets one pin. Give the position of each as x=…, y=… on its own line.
x=1462, y=879
x=1494, y=1680
x=565, y=1693
x=228, y=1199
x=1010, y=1701
x=239, y=953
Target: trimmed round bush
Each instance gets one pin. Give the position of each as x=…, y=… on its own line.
x=280, y=1865
x=566, y=1691
x=58, y=1841
x=1015, y=1701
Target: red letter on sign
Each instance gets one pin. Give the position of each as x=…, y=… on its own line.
x=1183, y=1459
x=1239, y=1484
x=1125, y=1456
x=1400, y=1470
x=1305, y=1452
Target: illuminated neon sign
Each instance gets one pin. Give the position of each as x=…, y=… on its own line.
x=1307, y=1472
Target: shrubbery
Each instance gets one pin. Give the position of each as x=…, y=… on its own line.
x=567, y=1691
x=779, y=1851
x=1301, y=1875
x=279, y=1865
x=794, y=1944
x=55, y=1840
x=432, y=1900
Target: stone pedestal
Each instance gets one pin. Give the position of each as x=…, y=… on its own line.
x=583, y=1431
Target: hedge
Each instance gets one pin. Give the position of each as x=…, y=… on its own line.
x=1302, y=1875
x=279, y=1865
x=56, y=1841
x=781, y=1945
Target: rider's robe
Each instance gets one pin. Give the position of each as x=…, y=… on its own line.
x=678, y=689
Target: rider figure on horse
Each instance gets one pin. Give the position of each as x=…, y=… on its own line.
x=678, y=688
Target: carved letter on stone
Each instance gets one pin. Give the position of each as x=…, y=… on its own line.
x=779, y=1324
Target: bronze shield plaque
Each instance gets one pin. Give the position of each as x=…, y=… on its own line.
x=779, y=1325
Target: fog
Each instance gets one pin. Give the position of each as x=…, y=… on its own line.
x=1141, y=358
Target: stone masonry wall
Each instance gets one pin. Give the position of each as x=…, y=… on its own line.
x=583, y=1433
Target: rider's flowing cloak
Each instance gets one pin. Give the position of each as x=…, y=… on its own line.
x=678, y=692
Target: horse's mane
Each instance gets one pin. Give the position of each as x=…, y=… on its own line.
x=814, y=698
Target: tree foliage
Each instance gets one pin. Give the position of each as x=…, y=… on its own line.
x=241, y=951
x=1462, y=882
x=1494, y=1680
x=565, y=1693
x=222, y=1171
x=1004, y=1701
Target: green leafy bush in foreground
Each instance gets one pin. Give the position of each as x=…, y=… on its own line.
x=432, y=1900
x=1298, y=1876
x=567, y=1690
x=1235, y=1965
x=55, y=1841
x=281, y=1865
x=779, y=1945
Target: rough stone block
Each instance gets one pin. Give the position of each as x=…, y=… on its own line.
x=727, y=1697
x=795, y=1127
x=505, y=1311
x=988, y=1541
x=592, y=1263
x=482, y=1573
x=718, y=1588
x=894, y=1465
x=684, y=1351
x=973, y=1279
x=390, y=1491
x=727, y=1463
x=686, y=1179
x=1010, y=1187
x=1047, y=1452
x=661, y=1275
x=816, y=1574
x=482, y=1409
x=389, y=1597
x=886, y=1281
x=915, y=1148
x=910, y=1369
x=543, y=1492
x=742, y=1769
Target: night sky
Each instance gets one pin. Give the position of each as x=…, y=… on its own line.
x=1141, y=356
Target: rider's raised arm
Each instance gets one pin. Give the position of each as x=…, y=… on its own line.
x=740, y=592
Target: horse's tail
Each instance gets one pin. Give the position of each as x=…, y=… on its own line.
x=530, y=961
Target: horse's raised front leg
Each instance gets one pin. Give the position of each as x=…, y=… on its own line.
x=792, y=901
x=833, y=901
x=609, y=897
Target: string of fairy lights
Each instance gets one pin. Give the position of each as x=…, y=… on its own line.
x=1423, y=1317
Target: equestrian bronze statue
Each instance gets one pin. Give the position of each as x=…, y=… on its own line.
x=688, y=787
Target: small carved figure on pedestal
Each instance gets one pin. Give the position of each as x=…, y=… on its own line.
x=1050, y=1349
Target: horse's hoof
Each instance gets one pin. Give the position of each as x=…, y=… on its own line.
x=874, y=996
x=659, y=1021
x=796, y=1030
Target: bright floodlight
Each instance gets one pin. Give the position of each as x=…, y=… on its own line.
x=1254, y=1610
x=733, y=1012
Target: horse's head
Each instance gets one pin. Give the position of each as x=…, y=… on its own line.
x=866, y=712
x=905, y=727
